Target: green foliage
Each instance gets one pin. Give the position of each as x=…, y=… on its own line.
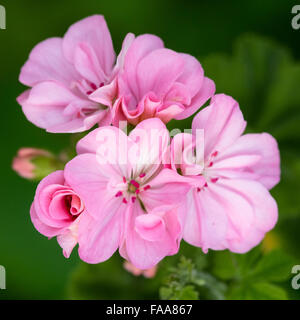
x=252, y=275
x=186, y=282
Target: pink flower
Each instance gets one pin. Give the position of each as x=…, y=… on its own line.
x=148, y=273
x=64, y=73
x=130, y=197
x=57, y=211
x=158, y=82
x=233, y=209
x=22, y=163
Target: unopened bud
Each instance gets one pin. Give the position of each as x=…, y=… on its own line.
x=35, y=164
x=148, y=273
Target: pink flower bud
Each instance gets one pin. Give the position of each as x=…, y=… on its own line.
x=23, y=162
x=148, y=273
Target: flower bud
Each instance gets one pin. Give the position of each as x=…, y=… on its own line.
x=35, y=164
x=148, y=273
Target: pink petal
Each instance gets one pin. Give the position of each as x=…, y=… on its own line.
x=183, y=155
x=205, y=92
x=121, y=57
x=193, y=74
x=222, y=121
x=140, y=47
x=145, y=254
x=111, y=147
x=106, y=94
x=99, y=238
x=87, y=64
x=265, y=213
x=179, y=93
x=169, y=113
x=94, y=32
x=67, y=241
x=233, y=214
x=39, y=210
x=158, y=71
x=45, y=104
x=150, y=134
x=167, y=188
x=204, y=220
x=150, y=227
x=47, y=62
x=263, y=146
x=41, y=227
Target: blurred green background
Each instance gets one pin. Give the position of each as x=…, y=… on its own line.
x=260, y=71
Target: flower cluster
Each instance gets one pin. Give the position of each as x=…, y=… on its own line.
x=144, y=192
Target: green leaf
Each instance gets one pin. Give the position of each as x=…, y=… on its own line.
x=211, y=288
x=250, y=275
x=255, y=66
x=188, y=293
x=224, y=265
x=165, y=293
x=187, y=281
x=228, y=265
x=258, y=291
x=275, y=266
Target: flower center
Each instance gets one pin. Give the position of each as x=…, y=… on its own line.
x=130, y=189
x=133, y=186
x=94, y=87
x=206, y=174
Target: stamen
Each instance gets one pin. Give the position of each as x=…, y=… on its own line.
x=89, y=92
x=147, y=187
x=93, y=86
x=205, y=185
x=124, y=180
x=142, y=175
x=134, y=183
x=101, y=85
x=118, y=194
x=210, y=164
x=214, y=154
x=133, y=199
x=198, y=189
x=124, y=200
x=137, y=191
x=214, y=180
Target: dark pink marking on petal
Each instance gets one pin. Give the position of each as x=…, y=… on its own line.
x=119, y=194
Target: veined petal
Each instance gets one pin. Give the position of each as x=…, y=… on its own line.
x=167, y=188
x=158, y=71
x=46, y=62
x=205, y=92
x=151, y=139
x=222, y=121
x=139, y=48
x=99, y=238
x=145, y=254
x=263, y=146
x=94, y=32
